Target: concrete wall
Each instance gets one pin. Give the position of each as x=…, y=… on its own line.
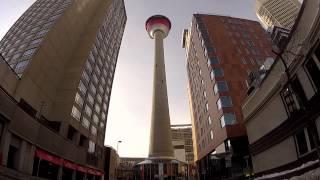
x=269, y=117
x=280, y=154
x=271, y=85
x=179, y=154
x=8, y=79
x=53, y=75
x=264, y=109
x=30, y=133
x=305, y=83
x=114, y=162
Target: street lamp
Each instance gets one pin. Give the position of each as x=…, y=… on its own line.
x=118, y=146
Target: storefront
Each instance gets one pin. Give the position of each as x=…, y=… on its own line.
x=51, y=167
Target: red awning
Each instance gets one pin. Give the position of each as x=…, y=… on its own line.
x=91, y=171
x=82, y=169
x=61, y=162
x=70, y=165
x=48, y=157
x=99, y=173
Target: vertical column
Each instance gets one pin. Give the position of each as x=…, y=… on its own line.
x=22, y=155
x=74, y=173
x=6, y=144
x=60, y=172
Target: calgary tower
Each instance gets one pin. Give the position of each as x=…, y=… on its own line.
x=160, y=145
x=160, y=163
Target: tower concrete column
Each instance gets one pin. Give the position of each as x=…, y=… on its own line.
x=160, y=133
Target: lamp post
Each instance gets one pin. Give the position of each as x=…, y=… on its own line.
x=117, y=172
x=118, y=146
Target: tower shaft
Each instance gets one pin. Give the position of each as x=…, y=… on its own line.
x=160, y=132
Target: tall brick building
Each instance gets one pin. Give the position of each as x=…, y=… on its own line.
x=221, y=53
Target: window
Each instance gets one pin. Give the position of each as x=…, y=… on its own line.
x=227, y=119
x=214, y=60
x=313, y=72
x=103, y=116
x=243, y=60
x=95, y=119
x=54, y=17
x=302, y=142
x=85, y=76
x=101, y=89
x=95, y=79
x=217, y=72
x=78, y=99
x=259, y=62
x=108, y=90
x=305, y=139
x=72, y=132
x=36, y=41
x=43, y=32
x=210, y=49
x=289, y=101
x=92, y=147
x=93, y=89
x=88, y=110
x=103, y=81
x=89, y=67
x=98, y=71
x=209, y=120
x=90, y=99
x=93, y=130
x=101, y=125
x=317, y=53
x=99, y=98
x=82, y=88
x=85, y=123
x=220, y=86
x=298, y=91
x=250, y=43
x=224, y=101
x=104, y=106
x=29, y=52
x=252, y=61
x=97, y=108
x=211, y=134
x=75, y=113
x=20, y=67
x=239, y=50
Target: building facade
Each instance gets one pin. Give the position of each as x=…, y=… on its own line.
x=128, y=169
x=182, y=142
x=58, y=68
x=221, y=52
x=277, y=13
x=111, y=164
x=282, y=115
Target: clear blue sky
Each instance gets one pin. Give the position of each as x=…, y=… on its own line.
x=130, y=106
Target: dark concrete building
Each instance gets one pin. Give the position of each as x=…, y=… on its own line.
x=111, y=164
x=221, y=52
x=282, y=114
x=56, y=78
